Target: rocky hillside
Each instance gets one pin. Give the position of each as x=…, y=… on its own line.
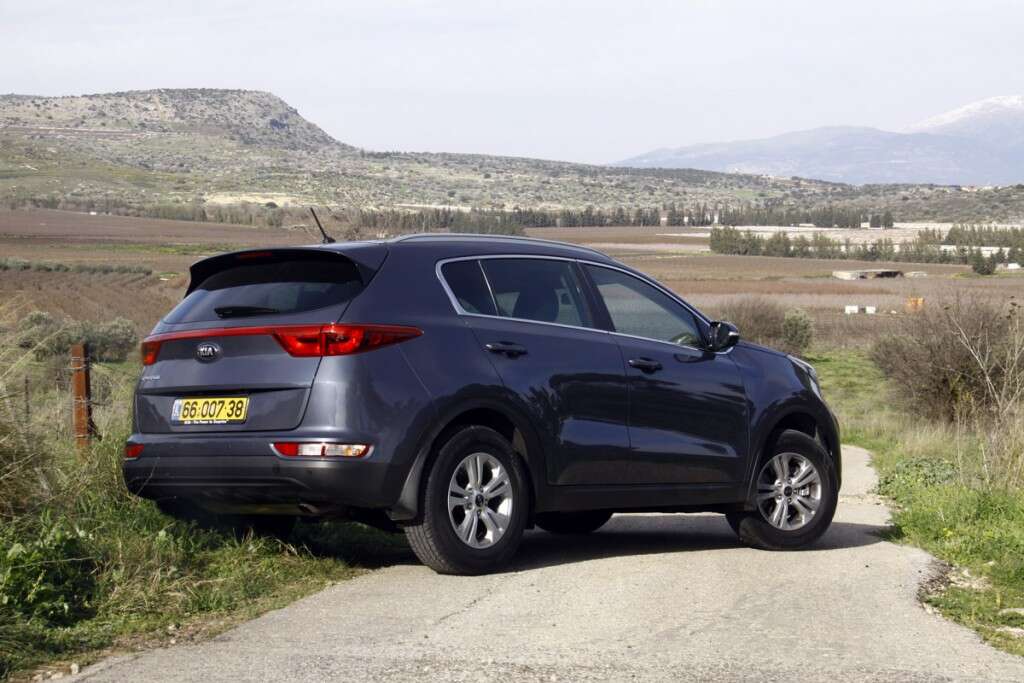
x=250, y=117
x=161, y=152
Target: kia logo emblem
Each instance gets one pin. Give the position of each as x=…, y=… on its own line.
x=207, y=351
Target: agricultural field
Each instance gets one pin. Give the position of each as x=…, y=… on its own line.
x=38, y=245
x=64, y=256
x=715, y=282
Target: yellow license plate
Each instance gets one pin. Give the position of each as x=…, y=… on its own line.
x=210, y=411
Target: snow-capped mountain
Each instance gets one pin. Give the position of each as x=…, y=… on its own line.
x=978, y=144
x=998, y=120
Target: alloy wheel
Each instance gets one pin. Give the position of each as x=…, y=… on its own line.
x=788, y=491
x=480, y=500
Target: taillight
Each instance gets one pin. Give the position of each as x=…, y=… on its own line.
x=150, y=350
x=132, y=450
x=321, y=450
x=341, y=340
x=298, y=340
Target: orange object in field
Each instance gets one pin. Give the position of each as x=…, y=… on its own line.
x=914, y=304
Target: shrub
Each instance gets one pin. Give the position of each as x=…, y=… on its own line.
x=759, y=319
x=797, y=331
x=959, y=360
x=767, y=322
x=49, y=337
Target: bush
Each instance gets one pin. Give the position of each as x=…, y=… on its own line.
x=961, y=360
x=764, y=321
x=759, y=319
x=48, y=337
x=797, y=331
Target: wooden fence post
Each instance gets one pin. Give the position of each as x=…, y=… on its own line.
x=81, y=396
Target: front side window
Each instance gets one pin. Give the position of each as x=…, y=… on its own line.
x=638, y=309
x=545, y=290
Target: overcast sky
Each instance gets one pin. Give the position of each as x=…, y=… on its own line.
x=583, y=81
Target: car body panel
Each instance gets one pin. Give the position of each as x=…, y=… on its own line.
x=688, y=419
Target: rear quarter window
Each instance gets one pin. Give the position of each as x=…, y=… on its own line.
x=467, y=284
x=270, y=286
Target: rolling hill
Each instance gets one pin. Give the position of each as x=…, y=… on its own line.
x=143, y=150
x=980, y=144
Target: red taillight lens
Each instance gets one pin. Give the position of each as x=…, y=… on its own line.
x=298, y=340
x=132, y=450
x=150, y=350
x=302, y=342
x=341, y=340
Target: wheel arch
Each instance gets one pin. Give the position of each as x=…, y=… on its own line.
x=500, y=417
x=801, y=420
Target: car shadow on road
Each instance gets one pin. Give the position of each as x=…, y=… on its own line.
x=624, y=535
x=627, y=535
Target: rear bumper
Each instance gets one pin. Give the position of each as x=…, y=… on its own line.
x=238, y=473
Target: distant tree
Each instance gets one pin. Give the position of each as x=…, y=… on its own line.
x=980, y=264
x=887, y=220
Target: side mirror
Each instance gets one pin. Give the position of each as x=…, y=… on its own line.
x=722, y=336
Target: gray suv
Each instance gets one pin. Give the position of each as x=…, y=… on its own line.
x=466, y=388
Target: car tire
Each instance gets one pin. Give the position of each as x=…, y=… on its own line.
x=792, y=511
x=584, y=522
x=478, y=529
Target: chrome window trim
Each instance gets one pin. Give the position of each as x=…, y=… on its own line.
x=670, y=294
x=461, y=311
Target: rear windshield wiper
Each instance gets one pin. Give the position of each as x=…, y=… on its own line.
x=243, y=311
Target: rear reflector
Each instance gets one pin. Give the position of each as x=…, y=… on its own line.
x=321, y=450
x=132, y=450
x=298, y=340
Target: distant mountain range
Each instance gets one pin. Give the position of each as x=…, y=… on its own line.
x=979, y=144
x=169, y=152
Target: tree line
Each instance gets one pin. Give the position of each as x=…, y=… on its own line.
x=926, y=247
x=820, y=217
x=271, y=215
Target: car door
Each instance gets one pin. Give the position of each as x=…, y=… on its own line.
x=687, y=405
x=531, y=317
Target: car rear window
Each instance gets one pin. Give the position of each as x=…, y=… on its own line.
x=270, y=285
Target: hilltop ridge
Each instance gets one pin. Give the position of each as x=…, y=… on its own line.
x=251, y=117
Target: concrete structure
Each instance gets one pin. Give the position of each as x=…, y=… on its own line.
x=866, y=274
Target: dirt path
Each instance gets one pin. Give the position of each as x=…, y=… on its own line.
x=648, y=597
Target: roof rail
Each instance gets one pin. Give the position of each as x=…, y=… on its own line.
x=510, y=238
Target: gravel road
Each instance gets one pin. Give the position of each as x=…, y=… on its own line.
x=649, y=597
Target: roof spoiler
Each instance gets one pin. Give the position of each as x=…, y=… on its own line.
x=366, y=256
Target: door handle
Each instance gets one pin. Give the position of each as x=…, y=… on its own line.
x=645, y=364
x=510, y=349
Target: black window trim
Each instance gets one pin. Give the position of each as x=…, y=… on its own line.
x=700, y=318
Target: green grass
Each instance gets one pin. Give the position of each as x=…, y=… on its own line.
x=924, y=469
x=86, y=568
